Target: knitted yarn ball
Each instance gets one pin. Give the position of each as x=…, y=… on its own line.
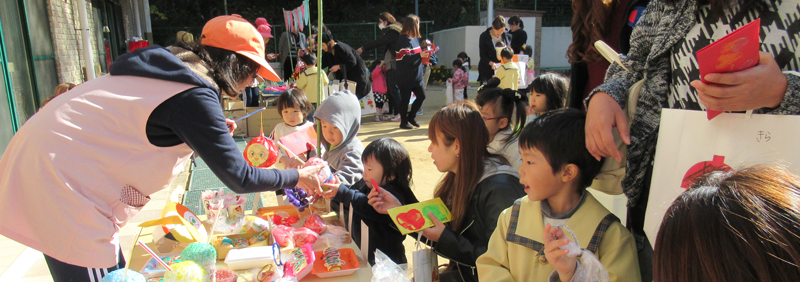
x=201, y=253
x=186, y=271
x=116, y=276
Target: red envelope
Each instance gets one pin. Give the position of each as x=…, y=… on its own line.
x=301, y=141
x=734, y=52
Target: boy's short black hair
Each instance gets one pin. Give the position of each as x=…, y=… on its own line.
x=309, y=59
x=458, y=64
x=507, y=53
x=560, y=136
x=294, y=97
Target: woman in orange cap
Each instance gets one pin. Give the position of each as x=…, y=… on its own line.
x=85, y=164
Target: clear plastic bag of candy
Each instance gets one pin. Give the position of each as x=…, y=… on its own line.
x=303, y=235
x=315, y=223
x=339, y=232
x=385, y=270
x=283, y=235
x=328, y=239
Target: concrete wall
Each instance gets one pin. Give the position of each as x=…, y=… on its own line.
x=555, y=41
x=456, y=40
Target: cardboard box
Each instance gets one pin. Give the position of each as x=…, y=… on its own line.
x=270, y=117
x=232, y=105
x=241, y=126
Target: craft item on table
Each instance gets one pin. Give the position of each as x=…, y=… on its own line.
x=179, y=222
x=155, y=279
x=226, y=275
x=261, y=152
x=200, y=253
x=414, y=217
x=303, y=235
x=315, y=223
x=119, y=274
x=156, y=265
x=256, y=224
x=325, y=176
x=241, y=243
x=734, y=52
x=333, y=259
x=266, y=273
x=211, y=204
x=283, y=235
x=297, y=197
x=283, y=218
x=224, y=241
x=257, y=239
x=298, y=69
x=302, y=262
x=233, y=204
x=186, y=271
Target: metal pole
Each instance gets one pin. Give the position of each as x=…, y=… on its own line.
x=138, y=20
x=86, y=37
x=416, y=7
x=489, y=12
x=226, y=6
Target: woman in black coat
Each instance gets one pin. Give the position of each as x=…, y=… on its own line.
x=348, y=63
x=391, y=31
x=486, y=42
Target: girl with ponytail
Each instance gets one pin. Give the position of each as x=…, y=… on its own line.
x=503, y=112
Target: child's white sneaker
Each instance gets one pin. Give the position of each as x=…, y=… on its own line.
x=396, y=118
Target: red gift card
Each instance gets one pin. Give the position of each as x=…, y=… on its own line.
x=734, y=52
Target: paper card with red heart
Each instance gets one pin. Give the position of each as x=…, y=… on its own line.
x=414, y=217
x=301, y=141
x=736, y=51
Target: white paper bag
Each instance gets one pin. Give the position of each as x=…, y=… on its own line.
x=425, y=262
x=448, y=93
x=368, y=104
x=522, y=63
x=689, y=144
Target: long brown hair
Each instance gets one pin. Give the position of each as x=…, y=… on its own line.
x=411, y=26
x=733, y=226
x=589, y=24
x=460, y=121
x=385, y=16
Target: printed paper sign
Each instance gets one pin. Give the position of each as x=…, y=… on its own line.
x=301, y=141
x=414, y=217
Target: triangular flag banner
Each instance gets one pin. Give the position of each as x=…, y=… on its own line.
x=307, y=17
x=302, y=11
x=298, y=21
x=286, y=19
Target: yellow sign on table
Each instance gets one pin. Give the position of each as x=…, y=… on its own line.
x=414, y=217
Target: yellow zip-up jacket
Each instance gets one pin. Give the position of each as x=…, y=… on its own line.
x=508, y=74
x=307, y=81
x=516, y=248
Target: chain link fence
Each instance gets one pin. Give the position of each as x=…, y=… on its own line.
x=353, y=34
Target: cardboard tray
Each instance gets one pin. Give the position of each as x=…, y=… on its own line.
x=222, y=251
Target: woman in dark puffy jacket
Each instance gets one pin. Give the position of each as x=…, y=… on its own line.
x=409, y=71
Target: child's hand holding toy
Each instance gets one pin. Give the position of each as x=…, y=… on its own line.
x=564, y=263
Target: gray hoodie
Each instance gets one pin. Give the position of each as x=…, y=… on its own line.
x=343, y=111
x=493, y=167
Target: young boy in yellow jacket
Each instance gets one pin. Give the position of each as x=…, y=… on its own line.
x=307, y=80
x=508, y=72
x=556, y=169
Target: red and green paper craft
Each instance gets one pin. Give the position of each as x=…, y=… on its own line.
x=414, y=217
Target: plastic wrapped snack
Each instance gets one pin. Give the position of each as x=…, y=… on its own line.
x=303, y=235
x=315, y=223
x=333, y=259
x=283, y=235
x=302, y=261
x=339, y=232
x=328, y=239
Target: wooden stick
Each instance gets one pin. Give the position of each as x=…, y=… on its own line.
x=130, y=257
x=289, y=152
x=219, y=212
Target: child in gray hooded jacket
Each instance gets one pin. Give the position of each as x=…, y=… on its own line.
x=340, y=116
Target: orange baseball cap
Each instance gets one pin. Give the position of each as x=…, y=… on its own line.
x=236, y=34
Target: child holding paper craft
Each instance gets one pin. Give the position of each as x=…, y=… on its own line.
x=340, y=116
x=508, y=72
x=388, y=164
x=476, y=187
x=307, y=80
x=503, y=112
x=556, y=170
x=732, y=226
x=548, y=92
x=293, y=105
